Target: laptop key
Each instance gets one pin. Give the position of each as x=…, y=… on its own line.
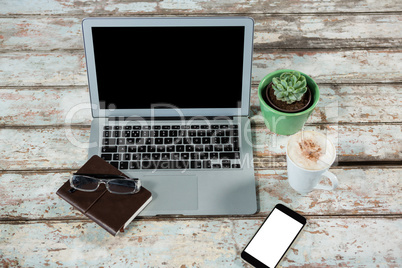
x=151, y=148
x=108, y=141
x=197, y=140
x=142, y=148
x=179, y=148
x=122, y=149
x=136, y=156
x=109, y=149
x=206, y=140
x=209, y=148
x=226, y=163
x=165, y=156
x=189, y=148
x=204, y=155
x=124, y=165
x=213, y=156
x=146, y=156
x=218, y=148
x=115, y=164
x=235, y=165
x=206, y=164
x=132, y=149
x=135, y=133
x=229, y=155
x=135, y=165
x=228, y=148
x=195, y=156
x=156, y=156
x=106, y=157
x=148, y=164
x=196, y=164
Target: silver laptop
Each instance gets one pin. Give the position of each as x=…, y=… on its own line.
x=170, y=100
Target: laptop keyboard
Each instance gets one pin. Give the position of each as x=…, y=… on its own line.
x=172, y=147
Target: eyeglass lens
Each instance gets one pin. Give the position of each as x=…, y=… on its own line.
x=122, y=186
x=85, y=183
x=118, y=186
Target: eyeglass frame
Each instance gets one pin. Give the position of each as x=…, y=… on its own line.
x=104, y=179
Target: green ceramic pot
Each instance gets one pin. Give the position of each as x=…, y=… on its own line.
x=280, y=122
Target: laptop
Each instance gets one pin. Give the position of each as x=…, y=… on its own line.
x=170, y=101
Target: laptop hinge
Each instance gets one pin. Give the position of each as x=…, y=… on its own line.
x=164, y=118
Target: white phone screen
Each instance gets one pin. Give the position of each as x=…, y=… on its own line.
x=273, y=238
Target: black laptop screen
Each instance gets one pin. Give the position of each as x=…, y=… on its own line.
x=187, y=67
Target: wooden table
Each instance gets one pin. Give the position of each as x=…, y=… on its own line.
x=352, y=49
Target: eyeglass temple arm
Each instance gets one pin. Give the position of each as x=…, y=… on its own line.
x=101, y=176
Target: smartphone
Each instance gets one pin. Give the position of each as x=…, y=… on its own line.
x=274, y=237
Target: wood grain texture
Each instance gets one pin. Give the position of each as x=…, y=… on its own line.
x=41, y=106
x=191, y=7
x=325, y=242
x=361, y=66
x=361, y=192
x=63, y=147
x=351, y=48
x=271, y=31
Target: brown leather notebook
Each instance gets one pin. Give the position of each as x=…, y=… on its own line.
x=113, y=212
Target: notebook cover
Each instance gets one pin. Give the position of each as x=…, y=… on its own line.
x=110, y=211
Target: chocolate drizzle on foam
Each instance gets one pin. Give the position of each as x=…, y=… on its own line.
x=310, y=150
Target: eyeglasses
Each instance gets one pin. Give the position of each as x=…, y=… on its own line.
x=114, y=184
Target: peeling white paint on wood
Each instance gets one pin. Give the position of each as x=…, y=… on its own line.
x=66, y=69
x=324, y=242
x=58, y=148
x=360, y=192
x=191, y=7
x=298, y=31
x=353, y=47
x=338, y=104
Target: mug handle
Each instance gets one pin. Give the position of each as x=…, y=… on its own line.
x=333, y=179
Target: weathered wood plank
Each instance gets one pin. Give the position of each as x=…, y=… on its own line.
x=44, y=106
x=271, y=31
x=353, y=143
x=349, y=104
x=361, y=192
x=190, y=7
x=334, y=242
x=361, y=66
x=35, y=69
x=62, y=147
x=338, y=104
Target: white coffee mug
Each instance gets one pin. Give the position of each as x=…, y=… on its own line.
x=305, y=180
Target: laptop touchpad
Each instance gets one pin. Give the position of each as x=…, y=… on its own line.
x=172, y=192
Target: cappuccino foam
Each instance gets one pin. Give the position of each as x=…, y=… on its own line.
x=311, y=150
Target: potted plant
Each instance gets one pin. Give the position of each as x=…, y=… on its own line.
x=287, y=99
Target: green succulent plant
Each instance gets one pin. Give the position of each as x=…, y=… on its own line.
x=289, y=87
